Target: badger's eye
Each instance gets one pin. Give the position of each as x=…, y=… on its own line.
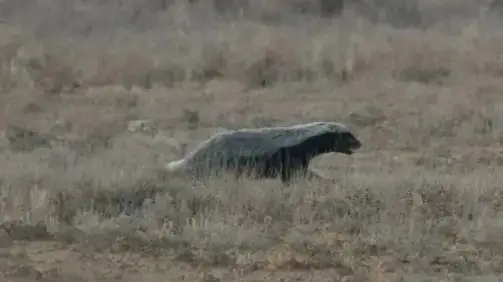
x=350, y=139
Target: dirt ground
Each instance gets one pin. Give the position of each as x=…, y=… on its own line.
x=95, y=97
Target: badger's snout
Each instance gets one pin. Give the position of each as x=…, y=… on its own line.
x=355, y=144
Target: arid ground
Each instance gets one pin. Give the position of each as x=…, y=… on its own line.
x=96, y=96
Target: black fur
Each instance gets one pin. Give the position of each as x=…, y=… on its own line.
x=293, y=161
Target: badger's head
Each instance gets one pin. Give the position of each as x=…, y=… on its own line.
x=347, y=143
x=339, y=139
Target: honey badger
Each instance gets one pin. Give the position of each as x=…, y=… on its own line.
x=270, y=152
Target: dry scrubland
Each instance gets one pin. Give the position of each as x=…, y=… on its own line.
x=425, y=191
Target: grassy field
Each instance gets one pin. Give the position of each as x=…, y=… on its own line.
x=111, y=93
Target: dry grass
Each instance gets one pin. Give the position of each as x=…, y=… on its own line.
x=420, y=202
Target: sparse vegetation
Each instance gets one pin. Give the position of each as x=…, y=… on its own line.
x=104, y=93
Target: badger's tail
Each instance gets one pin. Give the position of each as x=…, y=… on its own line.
x=172, y=169
x=176, y=167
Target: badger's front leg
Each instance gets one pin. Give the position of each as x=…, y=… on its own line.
x=295, y=169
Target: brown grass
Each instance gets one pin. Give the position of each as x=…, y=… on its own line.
x=420, y=202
